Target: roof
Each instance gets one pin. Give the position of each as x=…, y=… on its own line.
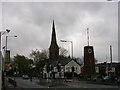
x=63, y=62
x=104, y=64
x=54, y=63
x=66, y=61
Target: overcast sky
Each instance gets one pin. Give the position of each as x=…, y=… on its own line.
x=32, y=22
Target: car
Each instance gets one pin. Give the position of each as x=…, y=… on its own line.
x=94, y=79
x=88, y=79
x=106, y=78
x=25, y=77
x=118, y=80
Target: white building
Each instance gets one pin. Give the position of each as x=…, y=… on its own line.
x=57, y=69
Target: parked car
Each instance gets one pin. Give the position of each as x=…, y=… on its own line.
x=100, y=77
x=106, y=78
x=94, y=79
x=88, y=78
x=25, y=77
x=118, y=80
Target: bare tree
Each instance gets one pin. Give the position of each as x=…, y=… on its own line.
x=38, y=55
x=63, y=52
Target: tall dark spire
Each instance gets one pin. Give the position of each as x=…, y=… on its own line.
x=53, y=40
x=54, y=49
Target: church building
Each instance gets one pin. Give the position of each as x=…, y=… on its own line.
x=55, y=67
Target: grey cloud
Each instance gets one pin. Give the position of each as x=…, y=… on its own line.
x=33, y=22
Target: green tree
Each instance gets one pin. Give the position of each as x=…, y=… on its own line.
x=39, y=58
x=23, y=63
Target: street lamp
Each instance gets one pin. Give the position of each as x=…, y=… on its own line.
x=6, y=49
x=1, y=63
x=7, y=38
x=71, y=46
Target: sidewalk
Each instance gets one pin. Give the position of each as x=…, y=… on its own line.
x=9, y=85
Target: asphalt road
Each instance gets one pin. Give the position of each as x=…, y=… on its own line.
x=26, y=84
x=83, y=84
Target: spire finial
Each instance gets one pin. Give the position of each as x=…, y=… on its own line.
x=88, y=35
x=53, y=24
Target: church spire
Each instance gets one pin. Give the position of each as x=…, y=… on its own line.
x=54, y=49
x=53, y=34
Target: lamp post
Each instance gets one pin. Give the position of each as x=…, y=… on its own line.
x=6, y=47
x=1, y=63
x=7, y=39
x=71, y=46
x=6, y=52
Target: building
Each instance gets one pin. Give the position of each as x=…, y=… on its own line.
x=56, y=67
x=59, y=69
x=105, y=68
x=89, y=62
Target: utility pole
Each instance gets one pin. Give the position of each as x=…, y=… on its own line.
x=111, y=55
x=106, y=66
x=1, y=62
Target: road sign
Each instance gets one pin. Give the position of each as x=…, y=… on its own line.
x=7, y=56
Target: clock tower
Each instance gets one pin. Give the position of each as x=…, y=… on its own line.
x=89, y=60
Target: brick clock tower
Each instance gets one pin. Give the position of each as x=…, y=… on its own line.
x=89, y=60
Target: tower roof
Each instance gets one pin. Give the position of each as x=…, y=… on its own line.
x=53, y=39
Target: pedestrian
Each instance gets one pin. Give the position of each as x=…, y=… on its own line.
x=31, y=78
x=65, y=80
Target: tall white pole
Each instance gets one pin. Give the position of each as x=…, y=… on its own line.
x=0, y=65
x=111, y=55
x=72, y=49
x=1, y=62
x=88, y=35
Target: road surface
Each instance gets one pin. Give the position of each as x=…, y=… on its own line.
x=26, y=84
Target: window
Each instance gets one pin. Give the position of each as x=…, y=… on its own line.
x=68, y=69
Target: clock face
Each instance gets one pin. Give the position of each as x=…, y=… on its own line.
x=89, y=51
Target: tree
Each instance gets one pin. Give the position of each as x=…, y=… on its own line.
x=39, y=55
x=79, y=60
x=39, y=58
x=23, y=63
x=63, y=52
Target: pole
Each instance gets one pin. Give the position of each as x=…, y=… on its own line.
x=72, y=49
x=0, y=65
x=1, y=62
x=7, y=46
x=106, y=66
x=6, y=49
x=111, y=55
x=6, y=42
x=88, y=35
